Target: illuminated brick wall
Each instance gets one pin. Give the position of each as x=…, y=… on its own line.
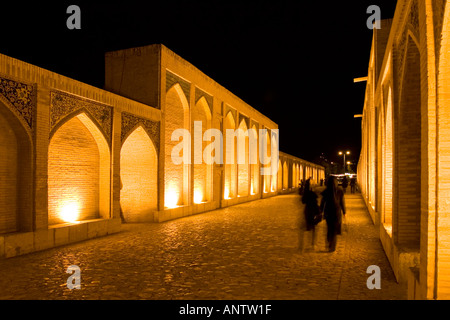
x=203, y=171
x=139, y=177
x=280, y=176
x=8, y=174
x=254, y=159
x=176, y=176
x=73, y=172
x=409, y=152
x=230, y=168
x=409, y=85
x=243, y=161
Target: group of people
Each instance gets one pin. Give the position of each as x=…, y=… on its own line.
x=331, y=208
x=345, y=184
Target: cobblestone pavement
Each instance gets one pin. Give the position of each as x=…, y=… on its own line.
x=249, y=251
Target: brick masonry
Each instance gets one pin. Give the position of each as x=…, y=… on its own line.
x=403, y=169
x=109, y=151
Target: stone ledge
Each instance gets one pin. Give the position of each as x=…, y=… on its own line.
x=19, y=243
x=401, y=259
x=184, y=211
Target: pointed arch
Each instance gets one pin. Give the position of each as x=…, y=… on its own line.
x=274, y=156
x=84, y=114
x=280, y=176
x=268, y=187
x=387, y=161
x=230, y=188
x=139, y=177
x=254, y=159
x=176, y=176
x=285, y=175
x=408, y=152
x=78, y=172
x=202, y=166
x=243, y=165
x=15, y=173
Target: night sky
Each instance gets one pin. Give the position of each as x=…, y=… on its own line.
x=292, y=61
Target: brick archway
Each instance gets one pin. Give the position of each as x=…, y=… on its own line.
x=280, y=176
x=176, y=176
x=15, y=174
x=408, y=152
x=243, y=159
x=78, y=172
x=285, y=175
x=139, y=177
x=387, y=154
x=254, y=160
x=230, y=188
x=268, y=184
x=202, y=161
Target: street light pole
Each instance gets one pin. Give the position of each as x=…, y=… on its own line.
x=344, y=153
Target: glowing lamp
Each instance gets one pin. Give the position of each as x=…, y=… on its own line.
x=198, y=196
x=171, y=200
x=70, y=213
x=226, y=193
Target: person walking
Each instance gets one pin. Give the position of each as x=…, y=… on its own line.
x=311, y=215
x=333, y=208
x=345, y=184
x=301, y=187
x=353, y=185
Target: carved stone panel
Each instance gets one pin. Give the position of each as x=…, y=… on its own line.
x=172, y=79
x=209, y=99
x=130, y=122
x=20, y=97
x=63, y=104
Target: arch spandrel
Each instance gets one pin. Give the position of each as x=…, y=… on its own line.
x=64, y=106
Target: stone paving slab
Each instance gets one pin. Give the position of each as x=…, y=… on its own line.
x=249, y=251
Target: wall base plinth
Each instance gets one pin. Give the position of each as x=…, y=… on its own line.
x=19, y=243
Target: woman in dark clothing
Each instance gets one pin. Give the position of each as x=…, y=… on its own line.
x=333, y=207
x=345, y=184
x=311, y=211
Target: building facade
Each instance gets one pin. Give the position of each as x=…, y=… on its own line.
x=153, y=146
x=404, y=167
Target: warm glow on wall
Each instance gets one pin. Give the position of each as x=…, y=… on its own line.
x=70, y=212
x=198, y=196
x=171, y=199
x=226, y=193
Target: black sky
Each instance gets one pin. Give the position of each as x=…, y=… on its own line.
x=292, y=61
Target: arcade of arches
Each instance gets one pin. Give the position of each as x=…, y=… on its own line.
x=80, y=161
x=404, y=170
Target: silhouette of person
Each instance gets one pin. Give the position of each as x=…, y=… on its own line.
x=120, y=206
x=345, y=184
x=353, y=185
x=333, y=208
x=310, y=212
x=301, y=187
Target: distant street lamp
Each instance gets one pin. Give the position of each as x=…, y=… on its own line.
x=344, y=153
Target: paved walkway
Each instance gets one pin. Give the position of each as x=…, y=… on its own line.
x=247, y=251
